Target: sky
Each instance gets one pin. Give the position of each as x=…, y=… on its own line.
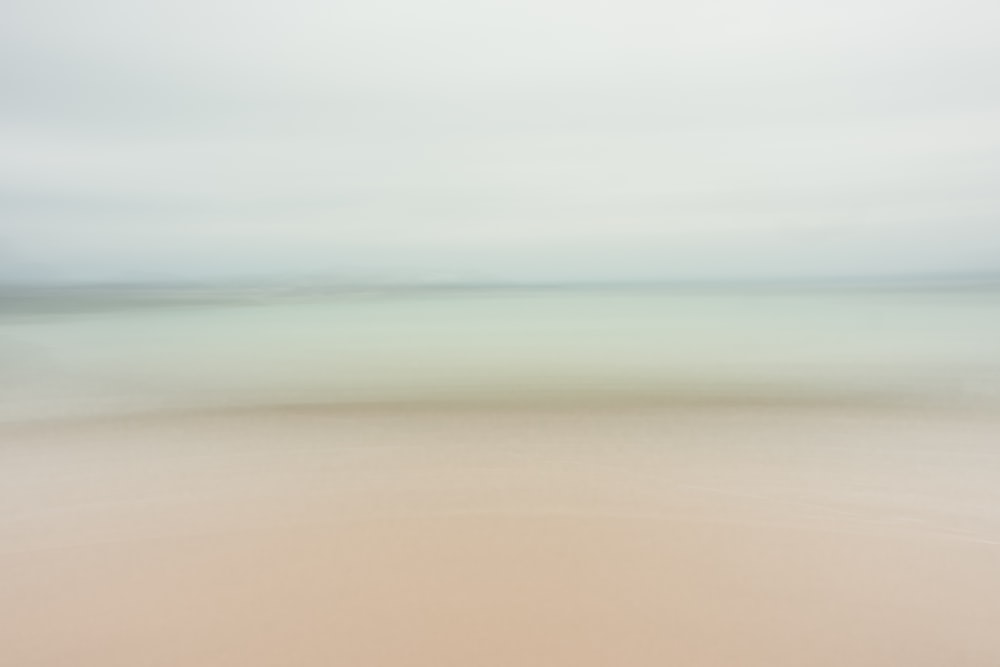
x=498, y=140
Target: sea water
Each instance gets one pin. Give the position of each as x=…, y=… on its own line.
x=506, y=345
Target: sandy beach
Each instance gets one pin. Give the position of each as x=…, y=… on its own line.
x=697, y=536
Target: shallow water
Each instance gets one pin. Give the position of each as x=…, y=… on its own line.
x=517, y=345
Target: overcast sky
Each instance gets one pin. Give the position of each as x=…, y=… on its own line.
x=498, y=139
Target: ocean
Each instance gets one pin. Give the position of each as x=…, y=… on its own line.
x=518, y=345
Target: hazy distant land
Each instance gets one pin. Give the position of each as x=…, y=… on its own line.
x=20, y=298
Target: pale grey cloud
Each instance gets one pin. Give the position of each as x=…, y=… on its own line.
x=534, y=140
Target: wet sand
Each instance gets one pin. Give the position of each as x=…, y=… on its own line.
x=711, y=536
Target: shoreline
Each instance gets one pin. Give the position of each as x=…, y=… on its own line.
x=519, y=403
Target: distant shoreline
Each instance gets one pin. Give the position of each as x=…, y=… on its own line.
x=28, y=299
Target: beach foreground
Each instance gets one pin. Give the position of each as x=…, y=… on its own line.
x=697, y=536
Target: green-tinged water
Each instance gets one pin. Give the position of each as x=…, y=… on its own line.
x=517, y=346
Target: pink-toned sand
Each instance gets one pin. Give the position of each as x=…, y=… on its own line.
x=699, y=537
